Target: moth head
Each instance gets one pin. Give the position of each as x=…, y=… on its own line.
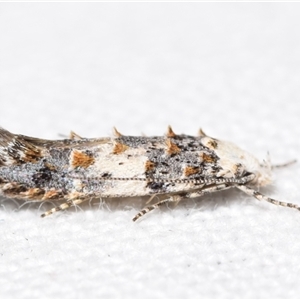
x=235, y=162
x=263, y=174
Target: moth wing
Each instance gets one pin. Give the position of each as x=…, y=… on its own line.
x=65, y=143
x=14, y=149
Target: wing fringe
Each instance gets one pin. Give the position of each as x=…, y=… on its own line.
x=15, y=149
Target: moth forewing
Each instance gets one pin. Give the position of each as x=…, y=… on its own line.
x=78, y=169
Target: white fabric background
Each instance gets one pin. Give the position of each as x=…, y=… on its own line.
x=232, y=69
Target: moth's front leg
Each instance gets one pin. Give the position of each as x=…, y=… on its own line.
x=179, y=197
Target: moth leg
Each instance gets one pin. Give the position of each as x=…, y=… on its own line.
x=63, y=206
x=177, y=198
x=249, y=191
x=208, y=190
x=152, y=207
x=151, y=198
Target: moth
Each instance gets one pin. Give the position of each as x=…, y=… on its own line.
x=172, y=167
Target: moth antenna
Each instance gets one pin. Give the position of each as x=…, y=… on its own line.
x=75, y=136
x=201, y=133
x=284, y=164
x=116, y=132
x=170, y=132
x=260, y=197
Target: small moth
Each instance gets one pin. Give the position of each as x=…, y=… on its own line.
x=173, y=167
